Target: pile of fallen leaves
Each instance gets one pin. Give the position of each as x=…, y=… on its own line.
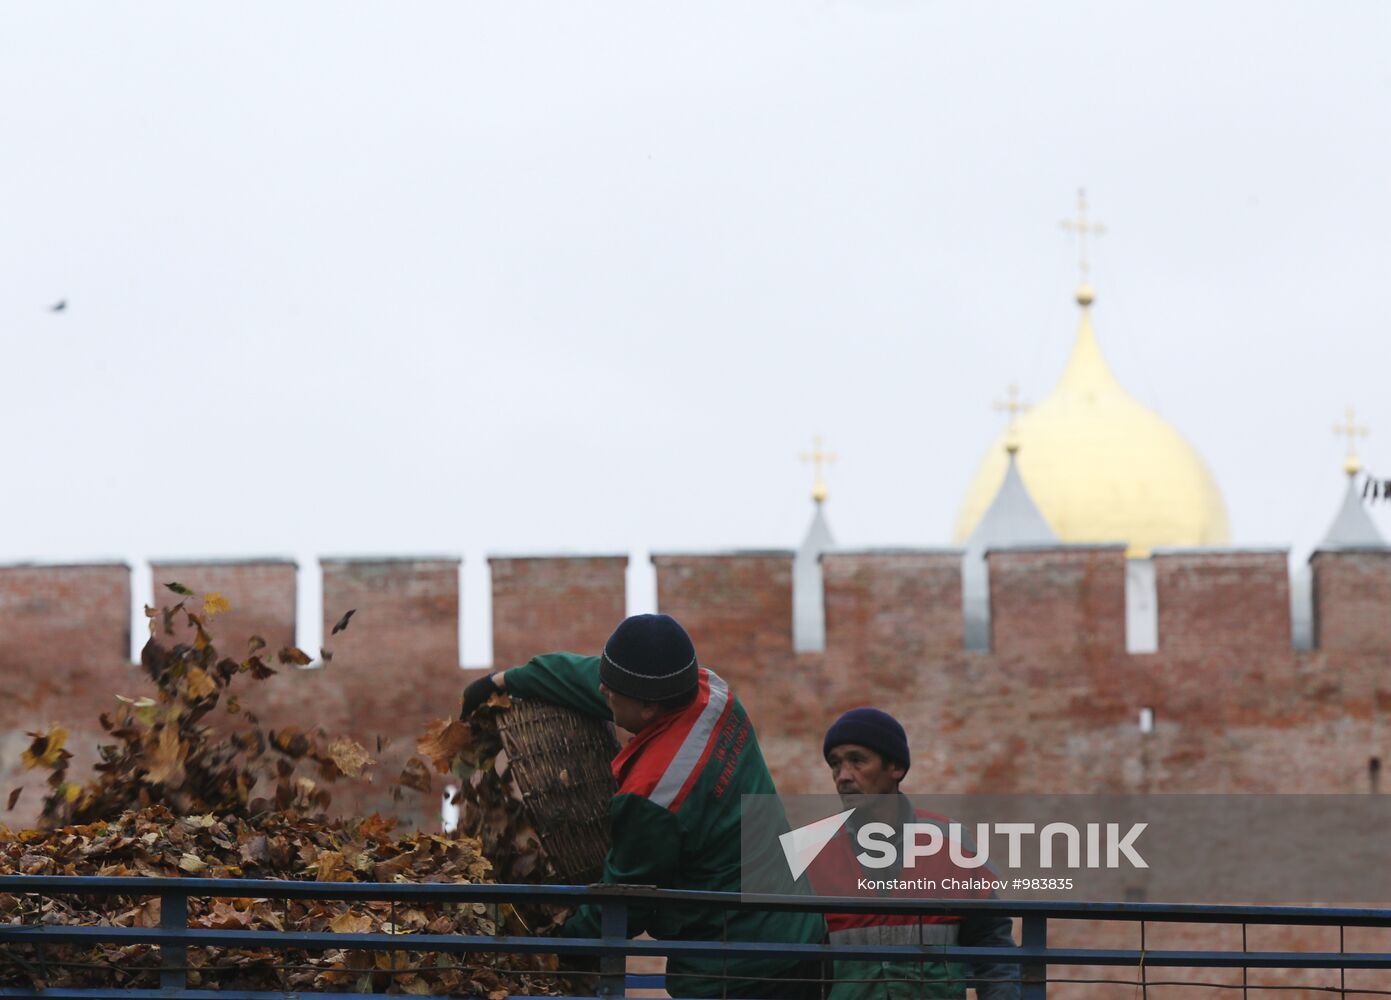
x=174, y=796
x=275, y=845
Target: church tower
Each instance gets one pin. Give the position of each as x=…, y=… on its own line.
x=808, y=597
x=1101, y=466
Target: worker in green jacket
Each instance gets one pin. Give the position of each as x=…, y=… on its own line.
x=675, y=820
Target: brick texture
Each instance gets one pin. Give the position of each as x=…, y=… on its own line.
x=64, y=655
x=890, y=616
x=1058, y=602
x=261, y=594
x=545, y=605
x=1053, y=706
x=398, y=661
x=1352, y=595
x=1212, y=600
x=737, y=609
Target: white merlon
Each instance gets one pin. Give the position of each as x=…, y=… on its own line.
x=1012, y=520
x=808, y=594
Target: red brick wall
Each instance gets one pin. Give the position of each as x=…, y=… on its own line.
x=261, y=594
x=737, y=608
x=1352, y=600
x=64, y=656
x=1057, y=602
x=1217, y=600
x=558, y=603
x=56, y=617
x=1052, y=708
x=890, y=616
x=397, y=663
x=403, y=639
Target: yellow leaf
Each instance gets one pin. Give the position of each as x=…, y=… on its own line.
x=71, y=791
x=46, y=749
x=192, y=863
x=215, y=604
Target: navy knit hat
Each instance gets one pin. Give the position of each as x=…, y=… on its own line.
x=651, y=658
x=869, y=727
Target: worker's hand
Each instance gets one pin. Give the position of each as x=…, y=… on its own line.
x=477, y=693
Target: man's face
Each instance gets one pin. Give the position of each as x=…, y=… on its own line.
x=628, y=713
x=858, y=770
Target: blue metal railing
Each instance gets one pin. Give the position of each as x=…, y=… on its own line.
x=173, y=936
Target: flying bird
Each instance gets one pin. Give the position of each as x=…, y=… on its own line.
x=58, y=306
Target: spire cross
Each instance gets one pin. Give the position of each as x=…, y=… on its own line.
x=1351, y=430
x=1083, y=229
x=817, y=458
x=1013, y=406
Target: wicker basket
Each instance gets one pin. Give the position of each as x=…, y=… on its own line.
x=560, y=760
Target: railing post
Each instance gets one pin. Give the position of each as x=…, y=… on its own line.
x=173, y=915
x=1035, y=974
x=613, y=928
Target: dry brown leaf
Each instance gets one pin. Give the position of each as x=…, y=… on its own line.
x=200, y=685
x=415, y=775
x=349, y=756
x=351, y=923
x=293, y=655
x=166, y=764
x=443, y=740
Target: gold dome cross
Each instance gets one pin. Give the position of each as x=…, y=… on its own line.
x=1083, y=229
x=1350, y=429
x=817, y=458
x=1013, y=406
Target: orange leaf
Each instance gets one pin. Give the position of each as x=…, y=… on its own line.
x=442, y=741
x=200, y=685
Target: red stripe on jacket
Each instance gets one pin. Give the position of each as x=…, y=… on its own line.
x=640, y=765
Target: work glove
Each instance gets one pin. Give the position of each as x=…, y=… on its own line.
x=476, y=694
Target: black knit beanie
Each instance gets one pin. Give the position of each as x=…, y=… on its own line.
x=651, y=658
x=869, y=727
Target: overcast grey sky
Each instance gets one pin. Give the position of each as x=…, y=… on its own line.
x=468, y=278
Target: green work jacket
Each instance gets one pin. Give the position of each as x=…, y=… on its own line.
x=675, y=822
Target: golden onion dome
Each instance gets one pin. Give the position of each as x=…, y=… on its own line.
x=1101, y=466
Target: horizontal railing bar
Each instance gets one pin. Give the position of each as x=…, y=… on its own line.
x=57, y=993
x=461, y=943
x=571, y=894
x=60, y=993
